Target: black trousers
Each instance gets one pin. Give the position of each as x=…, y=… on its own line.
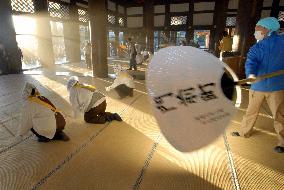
x=133, y=63
x=123, y=91
x=98, y=114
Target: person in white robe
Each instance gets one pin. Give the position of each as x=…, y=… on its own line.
x=123, y=84
x=86, y=99
x=41, y=117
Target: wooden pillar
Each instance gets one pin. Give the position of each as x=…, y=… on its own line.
x=116, y=30
x=72, y=35
x=220, y=16
x=174, y=37
x=275, y=11
x=159, y=38
x=116, y=41
x=167, y=22
x=190, y=30
x=98, y=22
x=247, y=17
x=126, y=30
x=126, y=35
x=45, y=46
x=8, y=40
x=149, y=24
x=275, y=8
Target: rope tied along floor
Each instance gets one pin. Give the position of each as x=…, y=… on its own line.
x=231, y=163
x=146, y=164
x=12, y=145
x=66, y=160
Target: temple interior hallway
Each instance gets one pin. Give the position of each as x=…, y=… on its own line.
x=127, y=155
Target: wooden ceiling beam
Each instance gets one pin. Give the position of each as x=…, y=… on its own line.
x=135, y=3
x=82, y=2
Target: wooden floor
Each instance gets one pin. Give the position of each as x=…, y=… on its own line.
x=127, y=155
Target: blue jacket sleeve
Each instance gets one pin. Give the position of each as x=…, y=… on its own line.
x=253, y=60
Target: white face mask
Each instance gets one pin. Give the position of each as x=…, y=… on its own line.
x=258, y=35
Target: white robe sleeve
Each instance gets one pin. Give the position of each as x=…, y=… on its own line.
x=122, y=79
x=26, y=120
x=80, y=99
x=114, y=84
x=73, y=97
x=76, y=113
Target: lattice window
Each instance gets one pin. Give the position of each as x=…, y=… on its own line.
x=231, y=21
x=111, y=19
x=121, y=22
x=26, y=6
x=281, y=16
x=58, y=10
x=83, y=15
x=178, y=20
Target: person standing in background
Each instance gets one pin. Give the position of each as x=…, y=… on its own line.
x=132, y=52
x=225, y=44
x=265, y=57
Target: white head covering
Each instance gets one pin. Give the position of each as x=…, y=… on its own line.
x=72, y=81
x=117, y=68
x=27, y=90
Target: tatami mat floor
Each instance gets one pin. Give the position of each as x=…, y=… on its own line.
x=127, y=155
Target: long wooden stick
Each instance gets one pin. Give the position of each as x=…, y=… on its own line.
x=274, y=74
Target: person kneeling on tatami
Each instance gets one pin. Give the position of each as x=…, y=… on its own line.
x=123, y=84
x=88, y=100
x=41, y=117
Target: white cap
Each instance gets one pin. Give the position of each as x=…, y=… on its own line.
x=72, y=81
x=27, y=90
x=117, y=68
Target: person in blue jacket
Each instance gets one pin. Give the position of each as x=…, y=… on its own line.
x=265, y=57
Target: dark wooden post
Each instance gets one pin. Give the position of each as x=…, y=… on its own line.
x=220, y=16
x=174, y=37
x=116, y=30
x=247, y=17
x=8, y=40
x=71, y=34
x=275, y=8
x=149, y=24
x=190, y=29
x=45, y=46
x=116, y=41
x=167, y=21
x=159, y=38
x=98, y=22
